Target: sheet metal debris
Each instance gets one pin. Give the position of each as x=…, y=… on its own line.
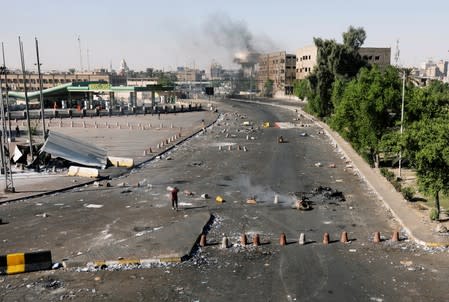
x=74, y=150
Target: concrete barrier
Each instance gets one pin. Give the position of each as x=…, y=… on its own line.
x=83, y=172
x=121, y=161
x=25, y=262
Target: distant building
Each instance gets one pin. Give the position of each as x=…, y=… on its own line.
x=123, y=70
x=186, y=74
x=216, y=71
x=49, y=80
x=278, y=67
x=432, y=70
x=306, y=58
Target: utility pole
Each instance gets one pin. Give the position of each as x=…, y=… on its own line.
x=27, y=107
x=88, y=60
x=44, y=132
x=6, y=165
x=81, y=54
x=5, y=70
x=402, y=119
x=4, y=152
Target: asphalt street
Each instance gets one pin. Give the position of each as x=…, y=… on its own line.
x=212, y=163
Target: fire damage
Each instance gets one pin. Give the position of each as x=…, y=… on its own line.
x=306, y=200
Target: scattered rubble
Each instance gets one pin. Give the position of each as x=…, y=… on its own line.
x=440, y=228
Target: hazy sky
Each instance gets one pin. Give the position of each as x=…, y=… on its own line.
x=166, y=34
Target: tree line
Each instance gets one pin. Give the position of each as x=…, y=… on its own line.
x=363, y=104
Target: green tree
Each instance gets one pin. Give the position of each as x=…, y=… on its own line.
x=301, y=88
x=427, y=144
x=334, y=61
x=367, y=109
x=426, y=102
x=268, y=88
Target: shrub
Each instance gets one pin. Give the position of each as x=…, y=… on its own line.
x=408, y=193
x=387, y=174
x=434, y=214
x=397, y=185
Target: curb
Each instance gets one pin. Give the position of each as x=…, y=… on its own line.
x=324, y=127
x=25, y=262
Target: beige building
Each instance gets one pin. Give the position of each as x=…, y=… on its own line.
x=15, y=79
x=306, y=58
x=278, y=67
x=186, y=74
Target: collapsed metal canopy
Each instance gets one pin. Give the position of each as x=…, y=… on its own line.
x=68, y=148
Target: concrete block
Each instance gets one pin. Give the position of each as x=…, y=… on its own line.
x=121, y=161
x=83, y=172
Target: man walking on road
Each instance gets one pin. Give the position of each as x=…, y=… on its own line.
x=174, y=198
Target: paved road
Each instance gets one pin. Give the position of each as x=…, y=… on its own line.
x=359, y=271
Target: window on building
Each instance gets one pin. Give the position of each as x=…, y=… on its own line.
x=376, y=58
x=370, y=57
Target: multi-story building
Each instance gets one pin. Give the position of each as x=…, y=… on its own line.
x=278, y=67
x=186, y=74
x=49, y=80
x=216, y=71
x=432, y=70
x=306, y=58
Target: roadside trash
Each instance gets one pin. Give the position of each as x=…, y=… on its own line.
x=224, y=243
x=219, y=199
x=188, y=193
x=276, y=199
x=303, y=134
x=251, y=200
x=302, y=239
x=56, y=265
x=332, y=165
x=93, y=206
x=318, y=165
x=441, y=229
x=303, y=205
x=205, y=196
x=97, y=184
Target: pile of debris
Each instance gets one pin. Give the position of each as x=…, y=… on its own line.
x=321, y=194
x=328, y=194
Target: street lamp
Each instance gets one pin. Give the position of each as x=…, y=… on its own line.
x=402, y=118
x=40, y=89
